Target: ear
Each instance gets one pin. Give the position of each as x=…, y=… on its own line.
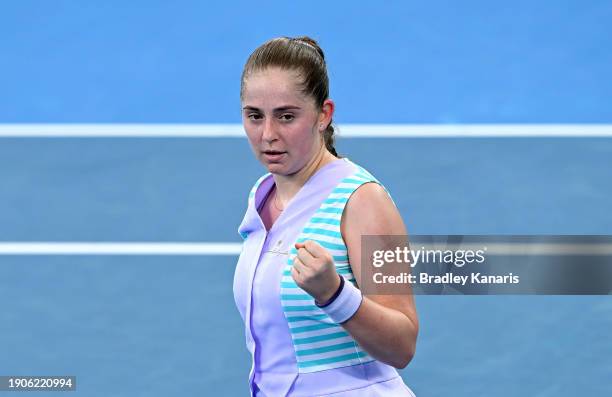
x=326, y=114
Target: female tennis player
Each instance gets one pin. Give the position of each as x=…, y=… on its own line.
x=309, y=328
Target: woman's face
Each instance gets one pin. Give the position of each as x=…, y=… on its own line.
x=283, y=125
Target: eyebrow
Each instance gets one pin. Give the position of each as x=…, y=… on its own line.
x=279, y=109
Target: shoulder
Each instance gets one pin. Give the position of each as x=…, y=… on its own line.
x=370, y=210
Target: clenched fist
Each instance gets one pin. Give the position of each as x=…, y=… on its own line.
x=314, y=271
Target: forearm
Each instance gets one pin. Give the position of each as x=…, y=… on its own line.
x=386, y=334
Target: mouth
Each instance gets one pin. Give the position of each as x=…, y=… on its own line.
x=273, y=155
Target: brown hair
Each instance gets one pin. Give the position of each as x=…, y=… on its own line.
x=304, y=55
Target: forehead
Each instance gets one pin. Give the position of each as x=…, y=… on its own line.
x=272, y=86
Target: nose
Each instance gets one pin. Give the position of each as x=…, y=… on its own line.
x=269, y=132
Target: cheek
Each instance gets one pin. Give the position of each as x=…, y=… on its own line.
x=305, y=138
x=302, y=144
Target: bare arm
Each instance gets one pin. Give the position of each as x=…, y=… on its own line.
x=386, y=326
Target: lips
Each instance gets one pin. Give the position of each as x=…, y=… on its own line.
x=273, y=155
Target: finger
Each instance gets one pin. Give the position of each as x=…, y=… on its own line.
x=305, y=257
x=310, y=246
x=315, y=249
x=298, y=265
x=295, y=274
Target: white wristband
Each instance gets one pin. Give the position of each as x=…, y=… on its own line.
x=345, y=305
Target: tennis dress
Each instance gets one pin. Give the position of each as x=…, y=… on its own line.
x=297, y=350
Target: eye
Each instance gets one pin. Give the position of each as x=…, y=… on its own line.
x=254, y=116
x=287, y=117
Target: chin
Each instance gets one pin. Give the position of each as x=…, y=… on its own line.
x=275, y=168
x=279, y=169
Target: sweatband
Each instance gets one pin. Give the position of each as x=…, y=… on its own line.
x=335, y=295
x=345, y=305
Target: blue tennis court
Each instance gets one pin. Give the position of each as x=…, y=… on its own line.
x=159, y=325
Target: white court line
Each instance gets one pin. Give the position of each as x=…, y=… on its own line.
x=116, y=248
x=234, y=249
x=344, y=130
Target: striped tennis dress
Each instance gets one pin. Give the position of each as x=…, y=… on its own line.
x=297, y=350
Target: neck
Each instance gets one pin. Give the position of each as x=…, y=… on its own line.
x=287, y=186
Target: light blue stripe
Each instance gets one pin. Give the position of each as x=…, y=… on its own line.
x=297, y=297
x=340, y=247
x=323, y=232
x=315, y=327
x=299, y=308
x=332, y=246
x=335, y=200
x=352, y=180
x=304, y=318
x=331, y=210
x=339, y=270
x=337, y=258
x=329, y=221
x=325, y=349
x=288, y=284
x=343, y=190
x=319, y=338
x=330, y=360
